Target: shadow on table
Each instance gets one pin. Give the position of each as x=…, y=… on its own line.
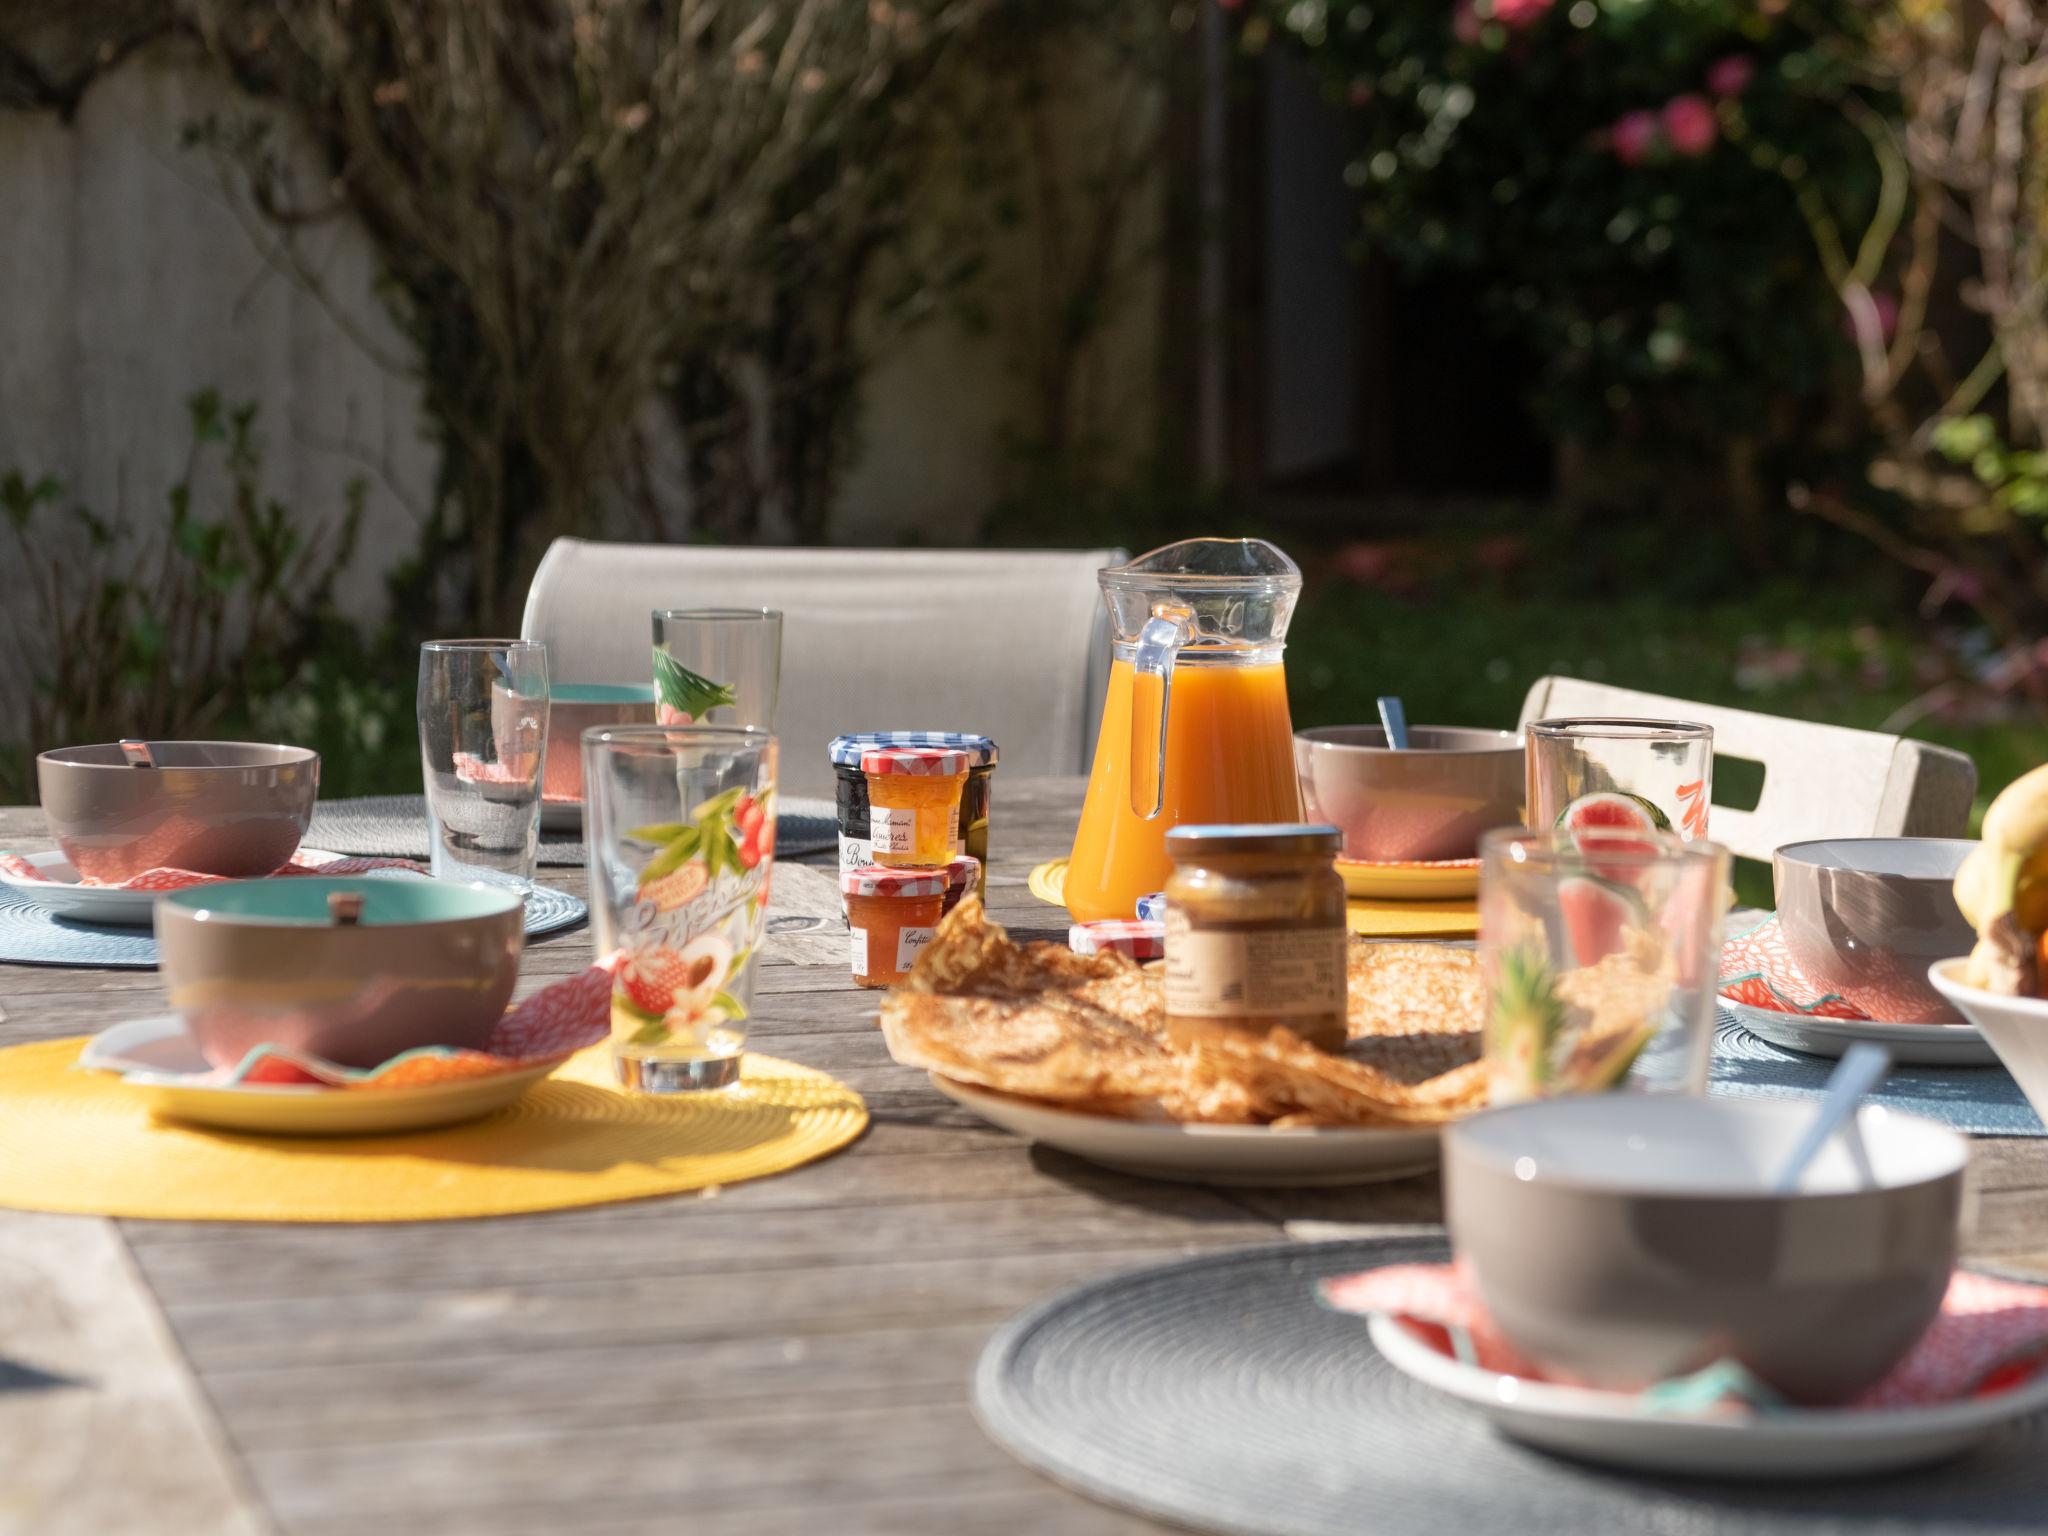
x=1405, y=1200
x=17, y=1377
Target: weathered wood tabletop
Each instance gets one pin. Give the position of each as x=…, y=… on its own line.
x=790, y=1354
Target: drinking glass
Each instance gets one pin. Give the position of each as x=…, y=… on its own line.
x=1600, y=954
x=717, y=666
x=1629, y=774
x=680, y=822
x=483, y=711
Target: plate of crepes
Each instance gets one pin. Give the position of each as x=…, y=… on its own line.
x=1072, y=1051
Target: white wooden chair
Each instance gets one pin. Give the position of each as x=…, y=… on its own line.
x=1819, y=780
x=1012, y=644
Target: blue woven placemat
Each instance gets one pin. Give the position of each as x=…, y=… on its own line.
x=30, y=935
x=1984, y=1101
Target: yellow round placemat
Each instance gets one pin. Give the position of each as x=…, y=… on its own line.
x=1384, y=919
x=81, y=1142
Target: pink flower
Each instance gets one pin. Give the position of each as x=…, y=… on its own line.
x=1731, y=76
x=1465, y=22
x=1635, y=136
x=1690, y=124
x=1519, y=13
x=667, y=714
x=1887, y=307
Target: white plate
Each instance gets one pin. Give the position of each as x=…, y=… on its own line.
x=60, y=894
x=1911, y=1045
x=1613, y=1429
x=1255, y=1155
x=155, y=1056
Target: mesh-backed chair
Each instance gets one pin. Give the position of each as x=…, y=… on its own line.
x=1012, y=644
x=1819, y=780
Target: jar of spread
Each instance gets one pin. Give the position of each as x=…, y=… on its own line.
x=1255, y=931
x=890, y=914
x=963, y=876
x=855, y=844
x=914, y=803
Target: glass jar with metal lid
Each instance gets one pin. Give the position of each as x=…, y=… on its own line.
x=1255, y=931
x=856, y=839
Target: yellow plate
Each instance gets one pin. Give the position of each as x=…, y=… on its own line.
x=1410, y=882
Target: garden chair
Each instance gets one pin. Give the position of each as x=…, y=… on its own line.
x=1819, y=780
x=1013, y=644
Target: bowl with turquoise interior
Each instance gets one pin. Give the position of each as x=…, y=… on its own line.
x=296, y=962
x=572, y=709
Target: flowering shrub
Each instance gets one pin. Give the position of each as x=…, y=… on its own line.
x=1623, y=178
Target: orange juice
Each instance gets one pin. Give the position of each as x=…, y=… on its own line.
x=1229, y=757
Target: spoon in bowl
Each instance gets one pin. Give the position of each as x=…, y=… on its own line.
x=1861, y=1069
x=1394, y=721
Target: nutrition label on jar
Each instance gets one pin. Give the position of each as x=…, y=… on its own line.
x=1269, y=972
x=860, y=950
x=891, y=830
x=908, y=942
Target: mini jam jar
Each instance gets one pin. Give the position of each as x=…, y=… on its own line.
x=855, y=844
x=1256, y=938
x=890, y=915
x=963, y=875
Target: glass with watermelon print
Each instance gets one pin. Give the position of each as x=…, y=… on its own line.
x=1629, y=775
x=680, y=824
x=1599, y=949
x=717, y=666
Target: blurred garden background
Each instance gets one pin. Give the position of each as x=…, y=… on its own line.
x=1694, y=345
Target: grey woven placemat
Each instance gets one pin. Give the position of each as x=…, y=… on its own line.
x=31, y=935
x=1984, y=1101
x=396, y=827
x=1217, y=1394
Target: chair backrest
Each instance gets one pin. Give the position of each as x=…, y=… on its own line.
x=1819, y=780
x=1012, y=644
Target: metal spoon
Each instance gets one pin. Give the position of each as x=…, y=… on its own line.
x=137, y=753
x=1861, y=1069
x=1394, y=721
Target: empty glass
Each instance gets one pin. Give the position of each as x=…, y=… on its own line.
x=717, y=666
x=1650, y=775
x=483, y=712
x=680, y=822
x=1600, y=951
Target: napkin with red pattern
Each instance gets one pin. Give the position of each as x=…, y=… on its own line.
x=1758, y=970
x=1990, y=1335
x=550, y=1026
x=19, y=868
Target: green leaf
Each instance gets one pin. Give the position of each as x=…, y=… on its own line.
x=649, y=1034
x=626, y=1005
x=659, y=832
x=680, y=688
x=679, y=852
x=729, y=1004
x=718, y=807
x=1963, y=438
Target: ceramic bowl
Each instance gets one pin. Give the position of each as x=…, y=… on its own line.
x=1866, y=916
x=572, y=709
x=429, y=962
x=2016, y=1027
x=1429, y=802
x=1624, y=1239
x=229, y=808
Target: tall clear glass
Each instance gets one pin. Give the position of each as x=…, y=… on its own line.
x=1633, y=775
x=717, y=666
x=483, y=713
x=1600, y=951
x=680, y=822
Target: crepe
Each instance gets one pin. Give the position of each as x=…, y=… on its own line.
x=1088, y=1033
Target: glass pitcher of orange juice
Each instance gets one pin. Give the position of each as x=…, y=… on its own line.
x=1195, y=726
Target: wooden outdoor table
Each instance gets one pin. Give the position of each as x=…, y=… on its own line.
x=790, y=1354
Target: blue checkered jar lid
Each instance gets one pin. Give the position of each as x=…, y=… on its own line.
x=845, y=750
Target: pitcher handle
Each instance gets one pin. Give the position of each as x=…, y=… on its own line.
x=1158, y=643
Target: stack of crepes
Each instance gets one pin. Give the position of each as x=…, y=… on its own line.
x=1087, y=1033
x=168, y=879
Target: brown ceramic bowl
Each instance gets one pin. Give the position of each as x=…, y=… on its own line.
x=572, y=709
x=264, y=962
x=1429, y=802
x=231, y=808
x=1866, y=916
x=1623, y=1239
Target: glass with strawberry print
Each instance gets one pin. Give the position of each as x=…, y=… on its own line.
x=1600, y=952
x=1631, y=775
x=717, y=666
x=680, y=822
x=483, y=714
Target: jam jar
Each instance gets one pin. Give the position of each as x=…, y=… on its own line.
x=890, y=915
x=856, y=845
x=1255, y=931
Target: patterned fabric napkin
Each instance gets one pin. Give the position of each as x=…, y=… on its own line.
x=1990, y=1336
x=552, y=1025
x=1758, y=970
x=14, y=865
